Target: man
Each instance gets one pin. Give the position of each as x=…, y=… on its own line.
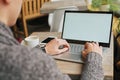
x=18, y=62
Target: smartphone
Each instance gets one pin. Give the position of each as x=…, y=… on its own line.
x=47, y=39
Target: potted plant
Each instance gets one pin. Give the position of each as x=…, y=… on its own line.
x=115, y=7
x=96, y=3
x=103, y=5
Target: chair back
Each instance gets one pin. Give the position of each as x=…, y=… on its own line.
x=31, y=8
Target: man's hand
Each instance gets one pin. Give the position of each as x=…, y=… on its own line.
x=53, y=47
x=91, y=47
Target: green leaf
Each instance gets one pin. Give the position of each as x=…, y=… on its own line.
x=96, y=3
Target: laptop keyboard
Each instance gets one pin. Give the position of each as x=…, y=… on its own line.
x=76, y=48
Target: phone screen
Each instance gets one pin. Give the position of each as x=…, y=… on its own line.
x=47, y=40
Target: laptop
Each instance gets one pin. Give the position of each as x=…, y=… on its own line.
x=80, y=27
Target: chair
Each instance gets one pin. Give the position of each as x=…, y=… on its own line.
x=30, y=10
x=55, y=19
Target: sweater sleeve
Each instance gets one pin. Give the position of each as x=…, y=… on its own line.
x=22, y=63
x=92, y=69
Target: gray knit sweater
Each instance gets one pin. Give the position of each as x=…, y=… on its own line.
x=18, y=62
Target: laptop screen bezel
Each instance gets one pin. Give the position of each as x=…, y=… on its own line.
x=83, y=42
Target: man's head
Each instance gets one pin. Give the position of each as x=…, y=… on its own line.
x=9, y=11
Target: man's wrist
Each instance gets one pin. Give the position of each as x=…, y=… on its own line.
x=94, y=57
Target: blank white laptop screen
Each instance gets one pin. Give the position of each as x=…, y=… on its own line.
x=87, y=26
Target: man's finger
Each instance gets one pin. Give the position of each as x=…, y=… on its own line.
x=64, y=43
x=83, y=54
x=63, y=50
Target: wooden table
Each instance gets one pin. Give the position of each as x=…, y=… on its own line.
x=75, y=68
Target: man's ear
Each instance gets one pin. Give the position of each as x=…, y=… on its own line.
x=7, y=1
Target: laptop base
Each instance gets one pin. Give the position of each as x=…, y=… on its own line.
x=67, y=56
